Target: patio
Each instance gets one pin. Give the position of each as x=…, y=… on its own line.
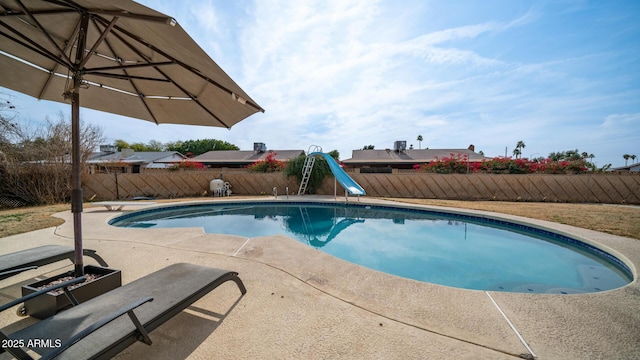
x=302, y=303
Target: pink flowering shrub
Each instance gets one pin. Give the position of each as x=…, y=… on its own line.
x=457, y=164
x=269, y=164
x=187, y=165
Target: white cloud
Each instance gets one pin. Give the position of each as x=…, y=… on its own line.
x=207, y=18
x=458, y=33
x=320, y=72
x=621, y=120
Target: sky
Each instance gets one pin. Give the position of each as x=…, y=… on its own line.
x=558, y=75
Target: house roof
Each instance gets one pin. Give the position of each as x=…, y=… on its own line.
x=140, y=157
x=409, y=156
x=631, y=167
x=244, y=156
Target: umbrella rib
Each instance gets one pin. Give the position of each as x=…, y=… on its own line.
x=43, y=30
x=31, y=46
x=124, y=70
x=39, y=49
x=99, y=41
x=52, y=73
x=124, y=77
x=191, y=96
x=74, y=7
x=66, y=3
x=161, y=19
x=12, y=12
x=194, y=71
x=123, y=67
x=194, y=99
x=134, y=49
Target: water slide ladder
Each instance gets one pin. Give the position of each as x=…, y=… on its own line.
x=306, y=223
x=308, y=168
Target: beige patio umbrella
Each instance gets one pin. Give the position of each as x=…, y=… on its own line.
x=115, y=56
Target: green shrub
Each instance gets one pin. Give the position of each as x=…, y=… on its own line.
x=320, y=171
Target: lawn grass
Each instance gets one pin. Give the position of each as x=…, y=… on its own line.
x=21, y=220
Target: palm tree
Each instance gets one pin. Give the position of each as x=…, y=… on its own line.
x=517, y=152
x=626, y=158
x=419, y=141
x=633, y=157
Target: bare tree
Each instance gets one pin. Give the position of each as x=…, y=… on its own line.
x=36, y=158
x=8, y=114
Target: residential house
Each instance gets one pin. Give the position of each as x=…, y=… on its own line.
x=242, y=158
x=384, y=161
x=129, y=161
x=627, y=168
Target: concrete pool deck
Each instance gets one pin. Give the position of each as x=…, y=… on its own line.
x=304, y=304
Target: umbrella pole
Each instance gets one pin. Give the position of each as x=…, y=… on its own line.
x=76, y=181
x=76, y=175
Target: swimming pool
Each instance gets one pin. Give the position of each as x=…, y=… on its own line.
x=450, y=249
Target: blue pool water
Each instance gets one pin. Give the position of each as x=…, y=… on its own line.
x=448, y=249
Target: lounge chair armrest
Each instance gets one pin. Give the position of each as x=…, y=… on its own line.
x=40, y=292
x=95, y=256
x=8, y=273
x=102, y=322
